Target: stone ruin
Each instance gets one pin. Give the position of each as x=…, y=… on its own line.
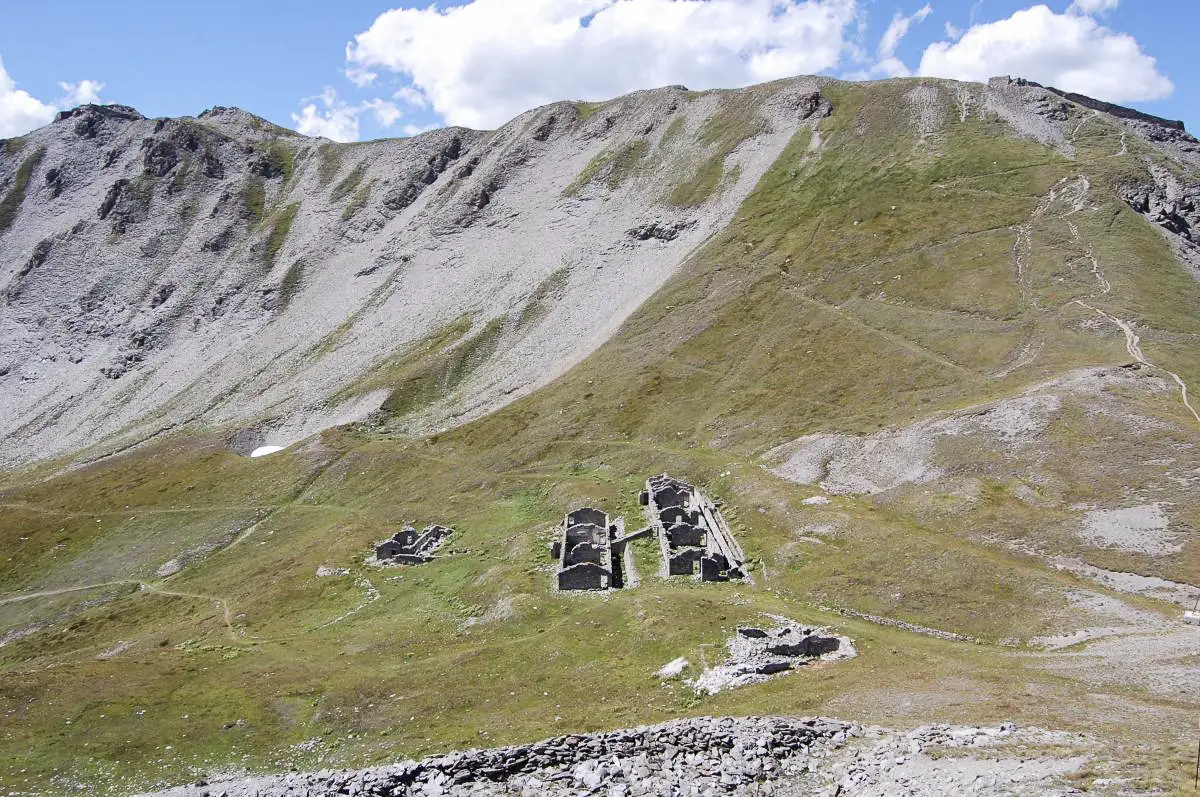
x=584, y=553
x=591, y=550
x=756, y=654
x=408, y=547
x=692, y=534
x=694, y=538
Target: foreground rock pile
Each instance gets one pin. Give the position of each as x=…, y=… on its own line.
x=698, y=756
x=781, y=756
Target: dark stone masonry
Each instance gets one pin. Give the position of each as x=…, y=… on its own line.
x=585, y=556
x=694, y=539
x=408, y=547
x=692, y=533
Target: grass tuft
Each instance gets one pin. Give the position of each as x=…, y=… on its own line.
x=281, y=225
x=11, y=204
x=617, y=165
x=289, y=286
x=254, y=198
x=358, y=201
x=737, y=120
x=349, y=183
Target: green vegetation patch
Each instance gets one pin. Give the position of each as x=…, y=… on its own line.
x=673, y=132
x=329, y=162
x=289, y=286
x=349, y=183
x=437, y=377
x=254, y=198
x=737, y=119
x=587, y=109
x=413, y=359
x=358, y=201
x=282, y=157
x=547, y=290
x=281, y=225
x=617, y=164
x=14, y=145
x=11, y=204
x=701, y=185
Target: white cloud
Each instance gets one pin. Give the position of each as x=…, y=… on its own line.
x=1093, y=6
x=386, y=112
x=84, y=92
x=889, y=65
x=337, y=120
x=1070, y=51
x=952, y=32
x=416, y=130
x=20, y=112
x=898, y=29
x=360, y=77
x=410, y=96
x=484, y=61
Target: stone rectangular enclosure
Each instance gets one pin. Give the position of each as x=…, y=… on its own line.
x=693, y=536
x=410, y=547
x=585, y=557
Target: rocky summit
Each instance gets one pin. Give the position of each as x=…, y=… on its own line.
x=920, y=357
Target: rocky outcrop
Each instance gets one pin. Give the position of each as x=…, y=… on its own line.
x=400, y=238
x=1173, y=206
x=751, y=756
x=723, y=755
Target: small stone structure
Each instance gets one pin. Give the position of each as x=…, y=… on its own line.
x=756, y=654
x=693, y=536
x=585, y=556
x=408, y=547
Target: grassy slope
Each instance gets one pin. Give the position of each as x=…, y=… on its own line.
x=790, y=322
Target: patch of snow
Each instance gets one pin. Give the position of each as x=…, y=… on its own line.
x=328, y=572
x=263, y=451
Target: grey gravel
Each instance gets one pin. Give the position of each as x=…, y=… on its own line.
x=710, y=756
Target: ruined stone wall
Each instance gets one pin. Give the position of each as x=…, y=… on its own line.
x=584, y=576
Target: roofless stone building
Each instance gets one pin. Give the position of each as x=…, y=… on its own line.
x=692, y=534
x=409, y=547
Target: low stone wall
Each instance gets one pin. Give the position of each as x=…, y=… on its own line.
x=726, y=755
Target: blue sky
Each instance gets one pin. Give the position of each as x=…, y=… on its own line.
x=489, y=59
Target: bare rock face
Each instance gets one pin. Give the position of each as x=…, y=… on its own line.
x=1173, y=206
x=221, y=270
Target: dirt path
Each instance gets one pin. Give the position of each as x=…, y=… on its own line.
x=1133, y=346
x=226, y=611
x=1090, y=253
x=50, y=593
x=912, y=347
x=143, y=586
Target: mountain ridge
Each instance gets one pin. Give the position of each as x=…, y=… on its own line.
x=251, y=219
